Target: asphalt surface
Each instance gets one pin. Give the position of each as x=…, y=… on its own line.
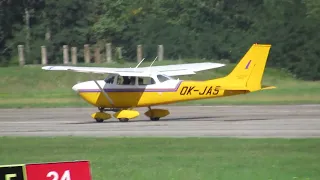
x=184, y=121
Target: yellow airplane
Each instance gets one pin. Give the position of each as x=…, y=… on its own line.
x=128, y=88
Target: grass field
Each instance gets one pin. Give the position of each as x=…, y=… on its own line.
x=170, y=158
x=32, y=87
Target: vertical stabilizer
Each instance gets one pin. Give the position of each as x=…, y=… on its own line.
x=249, y=71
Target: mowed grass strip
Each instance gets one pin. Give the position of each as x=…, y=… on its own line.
x=173, y=158
x=30, y=86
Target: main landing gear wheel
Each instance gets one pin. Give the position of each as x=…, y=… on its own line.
x=99, y=120
x=123, y=119
x=154, y=119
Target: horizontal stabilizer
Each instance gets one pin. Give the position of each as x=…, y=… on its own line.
x=268, y=87
x=242, y=88
x=233, y=88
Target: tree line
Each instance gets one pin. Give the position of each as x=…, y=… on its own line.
x=199, y=29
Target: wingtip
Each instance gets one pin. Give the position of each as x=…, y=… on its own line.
x=216, y=64
x=219, y=64
x=46, y=67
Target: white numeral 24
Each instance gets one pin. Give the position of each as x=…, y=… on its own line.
x=55, y=175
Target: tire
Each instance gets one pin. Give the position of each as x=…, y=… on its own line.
x=123, y=119
x=99, y=120
x=155, y=119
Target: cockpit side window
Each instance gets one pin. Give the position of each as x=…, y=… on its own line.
x=145, y=81
x=162, y=78
x=126, y=80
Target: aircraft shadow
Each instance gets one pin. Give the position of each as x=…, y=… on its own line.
x=182, y=119
x=203, y=118
x=211, y=119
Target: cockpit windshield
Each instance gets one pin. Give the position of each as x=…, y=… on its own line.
x=110, y=79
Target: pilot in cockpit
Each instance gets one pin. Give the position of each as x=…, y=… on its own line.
x=126, y=80
x=140, y=81
x=132, y=80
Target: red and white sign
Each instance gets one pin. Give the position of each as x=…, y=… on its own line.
x=77, y=170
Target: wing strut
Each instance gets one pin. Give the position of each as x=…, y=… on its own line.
x=103, y=92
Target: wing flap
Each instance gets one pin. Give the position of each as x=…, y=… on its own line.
x=184, y=69
x=177, y=72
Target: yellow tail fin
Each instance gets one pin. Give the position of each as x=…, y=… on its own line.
x=249, y=71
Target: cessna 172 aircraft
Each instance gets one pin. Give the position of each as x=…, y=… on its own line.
x=127, y=88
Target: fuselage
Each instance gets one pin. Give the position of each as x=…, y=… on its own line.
x=129, y=96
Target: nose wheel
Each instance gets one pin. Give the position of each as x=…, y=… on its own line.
x=101, y=115
x=100, y=120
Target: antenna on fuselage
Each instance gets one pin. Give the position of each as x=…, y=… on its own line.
x=152, y=64
x=153, y=61
x=139, y=63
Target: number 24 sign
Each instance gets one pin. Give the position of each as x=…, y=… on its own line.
x=55, y=176
x=59, y=171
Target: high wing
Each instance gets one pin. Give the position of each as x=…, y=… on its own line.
x=183, y=69
x=99, y=70
x=169, y=70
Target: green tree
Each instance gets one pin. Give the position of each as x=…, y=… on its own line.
x=210, y=29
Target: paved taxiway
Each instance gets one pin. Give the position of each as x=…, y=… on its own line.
x=236, y=121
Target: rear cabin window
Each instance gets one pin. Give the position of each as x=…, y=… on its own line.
x=145, y=81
